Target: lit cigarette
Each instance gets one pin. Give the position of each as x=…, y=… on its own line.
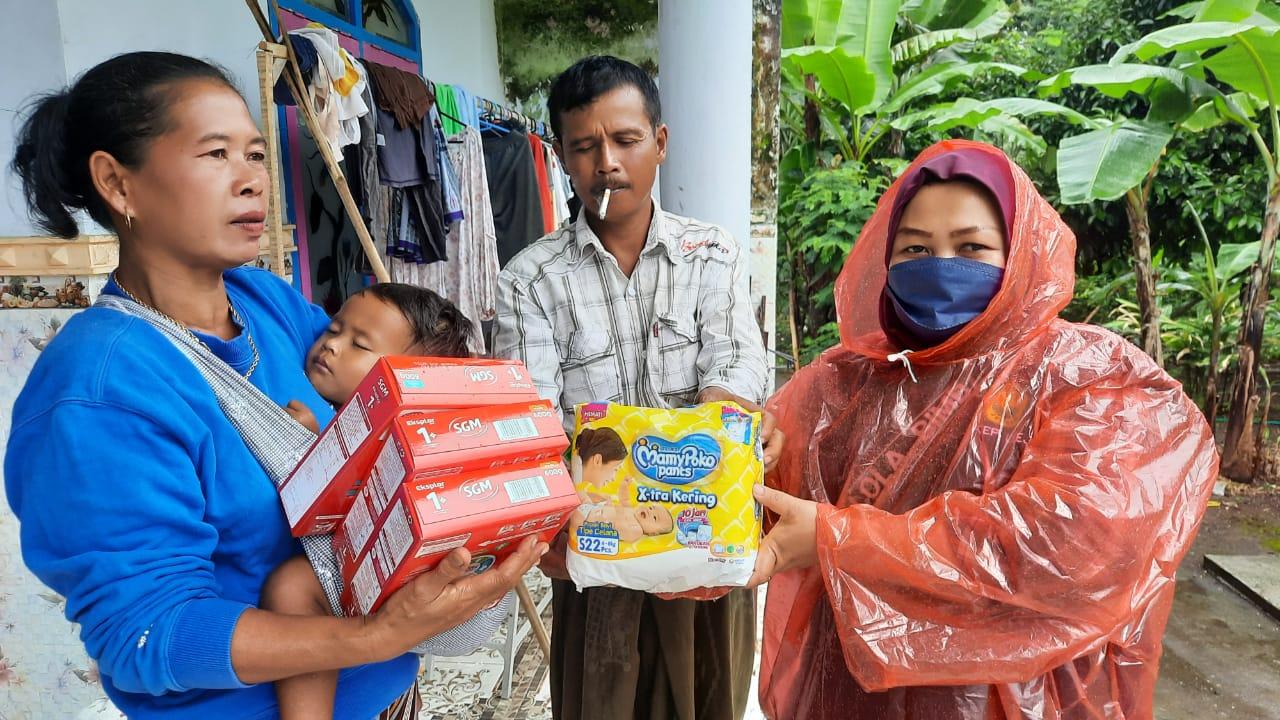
x=604, y=203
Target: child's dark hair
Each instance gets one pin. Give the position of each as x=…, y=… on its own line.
x=439, y=327
x=604, y=442
x=118, y=106
x=591, y=77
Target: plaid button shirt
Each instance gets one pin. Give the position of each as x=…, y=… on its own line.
x=681, y=323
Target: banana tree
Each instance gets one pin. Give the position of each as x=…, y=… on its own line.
x=1243, y=55
x=1216, y=286
x=935, y=25
x=847, y=47
x=1121, y=159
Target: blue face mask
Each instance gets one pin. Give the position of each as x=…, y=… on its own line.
x=935, y=297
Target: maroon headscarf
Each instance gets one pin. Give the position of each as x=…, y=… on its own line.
x=985, y=169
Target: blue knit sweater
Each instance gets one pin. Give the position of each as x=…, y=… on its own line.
x=140, y=503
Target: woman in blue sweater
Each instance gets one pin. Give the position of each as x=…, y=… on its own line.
x=138, y=499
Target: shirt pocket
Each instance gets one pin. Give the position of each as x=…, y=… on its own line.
x=588, y=368
x=678, y=347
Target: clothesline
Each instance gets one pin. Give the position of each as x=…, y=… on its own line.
x=538, y=127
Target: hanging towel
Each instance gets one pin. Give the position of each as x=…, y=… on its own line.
x=404, y=95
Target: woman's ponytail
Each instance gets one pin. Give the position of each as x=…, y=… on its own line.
x=40, y=161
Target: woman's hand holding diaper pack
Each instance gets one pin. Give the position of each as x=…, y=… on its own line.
x=792, y=543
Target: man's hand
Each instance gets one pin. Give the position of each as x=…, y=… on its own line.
x=771, y=435
x=553, y=562
x=303, y=415
x=793, y=542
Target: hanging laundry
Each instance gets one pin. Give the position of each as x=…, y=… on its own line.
x=350, y=99
x=401, y=161
x=326, y=46
x=351, y=76
x=469, y=277
x=404, y=95
x=327, y=125
x=372, y=196
x=337, y=98
x=448, y=178
x=409, y=148
x=306, y=55
x=544, y=186
x=451, y=120
x=560, y=191
x=468, y=109
x=513, y=191
x=408, y=239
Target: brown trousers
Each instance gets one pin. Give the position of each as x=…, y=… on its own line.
x=626, y=655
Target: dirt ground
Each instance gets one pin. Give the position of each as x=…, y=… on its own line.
x=1222, y=654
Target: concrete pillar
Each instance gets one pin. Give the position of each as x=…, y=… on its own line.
x=704, y=71
x=765, y=154
x=705, y=80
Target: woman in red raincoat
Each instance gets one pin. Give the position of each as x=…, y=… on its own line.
x=982, y=506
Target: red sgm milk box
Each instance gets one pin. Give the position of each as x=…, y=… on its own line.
x=319, y=491
x=422, y=446
x=488, y=512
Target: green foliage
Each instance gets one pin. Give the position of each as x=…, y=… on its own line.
x=1106, y=163
x=1219, y=171
x=824, y=214
x=538, y=39
x=951, y=80
x=1191, y=292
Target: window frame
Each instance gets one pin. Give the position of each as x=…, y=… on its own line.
x=348, y=26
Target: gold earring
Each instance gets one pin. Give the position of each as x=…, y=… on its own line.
x=128, y=220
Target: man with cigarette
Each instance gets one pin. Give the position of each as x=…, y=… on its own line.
x=633, y=304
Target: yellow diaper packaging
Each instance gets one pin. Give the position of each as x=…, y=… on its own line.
x=665, y=496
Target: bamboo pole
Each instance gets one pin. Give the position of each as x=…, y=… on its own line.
x=293, y=76
x=535, y=620
x=270, y=57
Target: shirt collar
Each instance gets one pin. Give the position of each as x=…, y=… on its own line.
x=658, y=240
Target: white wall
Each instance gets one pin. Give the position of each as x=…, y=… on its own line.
x=31, y=54
x=222, y=31
x=704, y=60
x=54, y=42
x=460, y=45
